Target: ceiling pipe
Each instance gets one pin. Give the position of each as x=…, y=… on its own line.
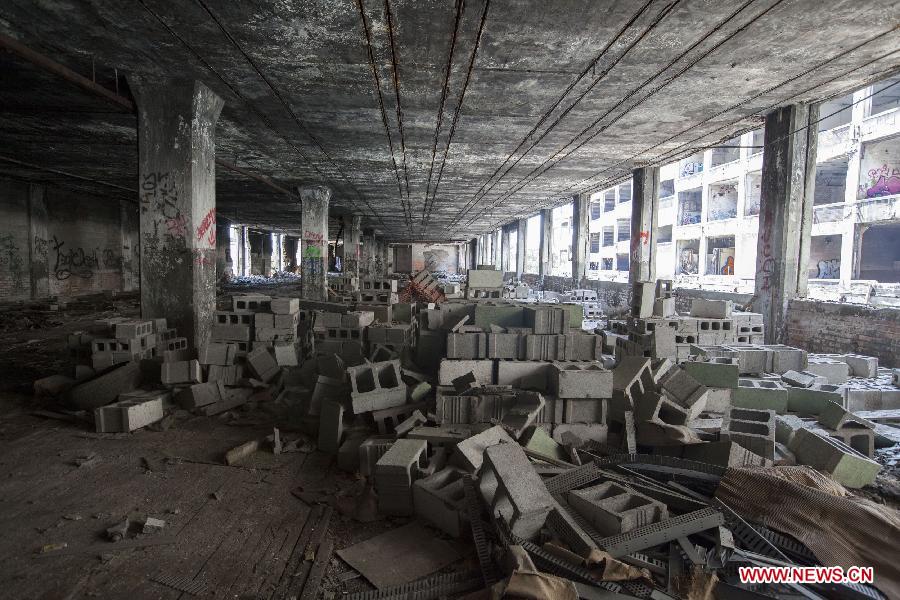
x=51, y=66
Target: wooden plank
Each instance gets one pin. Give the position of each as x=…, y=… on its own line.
x=318, y=534
x=296, y=556
x=323, y=557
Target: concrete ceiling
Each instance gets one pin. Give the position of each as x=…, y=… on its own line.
x=433, y=119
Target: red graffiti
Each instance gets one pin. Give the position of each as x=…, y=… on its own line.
x=177, y=226
x=645, y=237
x=208, y=228
x=313, y=237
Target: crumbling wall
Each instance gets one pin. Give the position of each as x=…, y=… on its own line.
x=58, y=242
x=845, y=328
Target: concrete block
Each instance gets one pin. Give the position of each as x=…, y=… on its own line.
x=439, y=499
x=718, y=400
x=724, y=453
x=786, y=358
x=388, y=419
x=719, y=372
x=218, y=353
x=538, y=440
x=811, y=401
x=227, y=375
x=262, y=364
x=133, y=328
x=264, y=320
x=395, y=473
x=833, y=457
x=833, y=370
x=664, y=307
x=370, y=452
x=468, y=454
x=129, y=414
x=357, y=319
x=228, y=333
x=759, y=394
x=251, y=303
x=522, y=413
x=286, y=354
x=802, y=379
x=582, y=346
x=752, y=429
x=466, y=346
x=510, y=486
x=331, y=426
x=681, y=388
x=445, y=436
x=285, y=306
x=643, y=297
x=546, y=319
x=861, y=366
x=199, y=394
x=376, y=386
x=580, y=380
x=186, y=371
x=613, y=508
x=451, y=369
x=578, y=434
x=711, y=309
x=481, y=278
x=584, y=410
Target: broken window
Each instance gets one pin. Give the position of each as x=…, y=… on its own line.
x=753, y=183
x=720, y=255
x=825, y=257
x=688, y=257
x=722, y=203
x=689, y=206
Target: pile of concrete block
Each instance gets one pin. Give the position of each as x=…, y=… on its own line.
x=482, y=284
x=378, y=290
x=117, y=341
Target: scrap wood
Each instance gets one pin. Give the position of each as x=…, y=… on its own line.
x=239, y=453
x=846, y=532
x=108, y=547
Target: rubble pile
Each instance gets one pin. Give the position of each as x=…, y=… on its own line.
x=637, y=459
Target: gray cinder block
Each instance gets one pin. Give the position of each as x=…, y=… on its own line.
x=613, y=508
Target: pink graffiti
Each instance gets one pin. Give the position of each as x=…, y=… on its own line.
x=177, y=226
x=313, y=237
x=208, y=226
x=884, y=186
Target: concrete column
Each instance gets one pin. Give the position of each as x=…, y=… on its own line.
x=785, y=213
x=644, y=214
x=546, y=240
x=520, y=247
x=580, y=236
x=131, y=256
x=245, y=251
x=314, y=243
x=388, y=259
x=177, y=183
x=352, y=234
x=37, y=234
x=367, y=253
x=223, y=246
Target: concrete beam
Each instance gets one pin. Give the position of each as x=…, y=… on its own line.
x=580, y=236
x=314, y=243
x=176, y=182
x=785, y=213
x=644, y=215
x=352, y=235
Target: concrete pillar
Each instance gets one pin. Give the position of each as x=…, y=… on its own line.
x=644, y=214
x=367, y=253
x=546, y=240
x=177, y=186
x=37, y=234
x=245, y=251
x=314, y=243
x=520, y=247
x=131, y=256
x=581, y=205
x=785, y=213
x=504, y=250
x=352, y=234
x=223, y=247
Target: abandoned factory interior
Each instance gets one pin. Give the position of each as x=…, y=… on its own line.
x=449, y=299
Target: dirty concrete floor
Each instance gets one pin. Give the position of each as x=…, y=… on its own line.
x=233, y=528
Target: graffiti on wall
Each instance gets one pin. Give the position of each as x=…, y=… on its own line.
x=11, y=260
x=829, y=269
x=80, y=262
x=881, y=181
x=207, y=228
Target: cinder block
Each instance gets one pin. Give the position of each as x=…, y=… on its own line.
x=522, y=413
x=802, y=379
x=440, y=500
x=186, y=371
x=835, y=371
x=578, y=434
x=451, y=369
x=752, y=429
x=861, y=366
x=725, y=453
x=370, y=452
x=833, y=457
x=376, y=386
x=285, y=354
x=251, y=303
x=331, y=426
x=217, y=353
x=711, y=309
x=510, y=486
x=285, y=306
x=131, y=329
x=357, y=319
x=199, y=394
x=468, y=454
x=720, y=372
x=482, y=278
x=580, y=380
x=229, y=333
x=546, y=319
x=584, y=410
x=811, y=401
x=760, y=394
x=263, y=364
x=685, y=391
x=131, y=413
x=466, y=346
x=613, y=508
x=395, y=473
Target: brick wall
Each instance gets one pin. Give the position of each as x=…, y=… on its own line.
x=62, y=243
x=834, y=327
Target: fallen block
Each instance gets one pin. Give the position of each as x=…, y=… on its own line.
x=105, y=388
x=395, y=473
x=580, y=380
x=134, y=411
x=760, y=394
x=752, y=429
x=262, y=363
x=376, y=386
x=811, y=401
x=682, y=389
x=720, y=372
x=468, y=454
x=440, y=500
x=612, y=508
x=829, y=455
x=861, y=366
x=801, y=379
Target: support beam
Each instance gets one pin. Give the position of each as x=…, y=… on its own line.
x=352, y=235
x=177, y=183
x=644, y=216
x=367, y=252
x=314, y=243
x=520, y=247
x=37, y=235
x=546, y=240
x=580, y=236
x=785, y=213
